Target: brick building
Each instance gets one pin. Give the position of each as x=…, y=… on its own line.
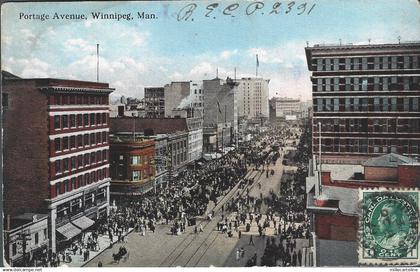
x=176, y=130
x=334, y=203
x=132, y=167
x=56, y=152
x=366, y=98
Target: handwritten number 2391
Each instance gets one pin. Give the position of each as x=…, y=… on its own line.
x=187, y=11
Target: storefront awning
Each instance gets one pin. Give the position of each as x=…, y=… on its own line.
x=69, y=231
x=83, y=222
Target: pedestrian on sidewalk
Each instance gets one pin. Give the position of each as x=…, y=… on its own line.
x=251, y=241
x=239, y=234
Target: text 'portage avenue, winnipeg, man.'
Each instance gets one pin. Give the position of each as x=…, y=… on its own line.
x=141, y=15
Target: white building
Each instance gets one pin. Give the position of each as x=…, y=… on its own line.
x=289, y=108
x=253, y=98
x=196, y=100
x=195, y=138
x=184, y=95
x=26, y=233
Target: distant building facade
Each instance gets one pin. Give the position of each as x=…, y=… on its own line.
x=288, y=108
x=253, y=98
x=220, y=107
x=175, y=94
x=154, y=102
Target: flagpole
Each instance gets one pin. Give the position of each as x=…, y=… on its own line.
x=256, y=67
x=97, y=62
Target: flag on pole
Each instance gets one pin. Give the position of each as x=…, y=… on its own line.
x=258, y=63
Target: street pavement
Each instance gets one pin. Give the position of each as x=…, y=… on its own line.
x=202, y=249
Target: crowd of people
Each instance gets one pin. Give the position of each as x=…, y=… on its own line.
x=290, y=206
x=180, y=202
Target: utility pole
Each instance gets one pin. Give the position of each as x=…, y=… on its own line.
x=23, y=238
x=320, y=171
x=97, y=62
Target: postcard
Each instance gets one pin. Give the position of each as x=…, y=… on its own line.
x=210, y=134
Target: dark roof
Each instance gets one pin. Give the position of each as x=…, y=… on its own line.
x=58, y=82
x=358, y=49
x=388, y=160
x=158, y=125
x=8, y=75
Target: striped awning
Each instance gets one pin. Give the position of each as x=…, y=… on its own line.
x=83, y=222
x=69, y=231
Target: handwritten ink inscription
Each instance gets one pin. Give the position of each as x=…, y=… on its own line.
x=253, y=8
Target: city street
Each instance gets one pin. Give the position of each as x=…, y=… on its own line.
x=210, y=247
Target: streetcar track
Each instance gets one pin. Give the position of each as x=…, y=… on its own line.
x=208, y=222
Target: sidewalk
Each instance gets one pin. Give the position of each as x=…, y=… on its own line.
x=103, y=242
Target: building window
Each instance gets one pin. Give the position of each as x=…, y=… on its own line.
x=57, y=122
x=85, y=119
x=65, y=121
x=135, y=160
x=79, y=140
x=136, y=175
x=57, y=166
x=72, y=120
x=14, y=249
x=86, y=139
x=73, y=162
x=79, y=120
x=57, y=144
x=36, y=238
x=65, y=143
x=92, y=138
x=92, y=119
x=73, y=142
x=80, y=161
x=73, y=184
x=66, y=164
x=98, y=119
x=66, y=186
x=92, y=158
x=58, y=188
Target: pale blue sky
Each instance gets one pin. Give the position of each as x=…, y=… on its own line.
x=140, y=53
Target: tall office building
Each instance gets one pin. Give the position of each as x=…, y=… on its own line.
x=366, y=98
x=253, y=98
x=56, y=152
